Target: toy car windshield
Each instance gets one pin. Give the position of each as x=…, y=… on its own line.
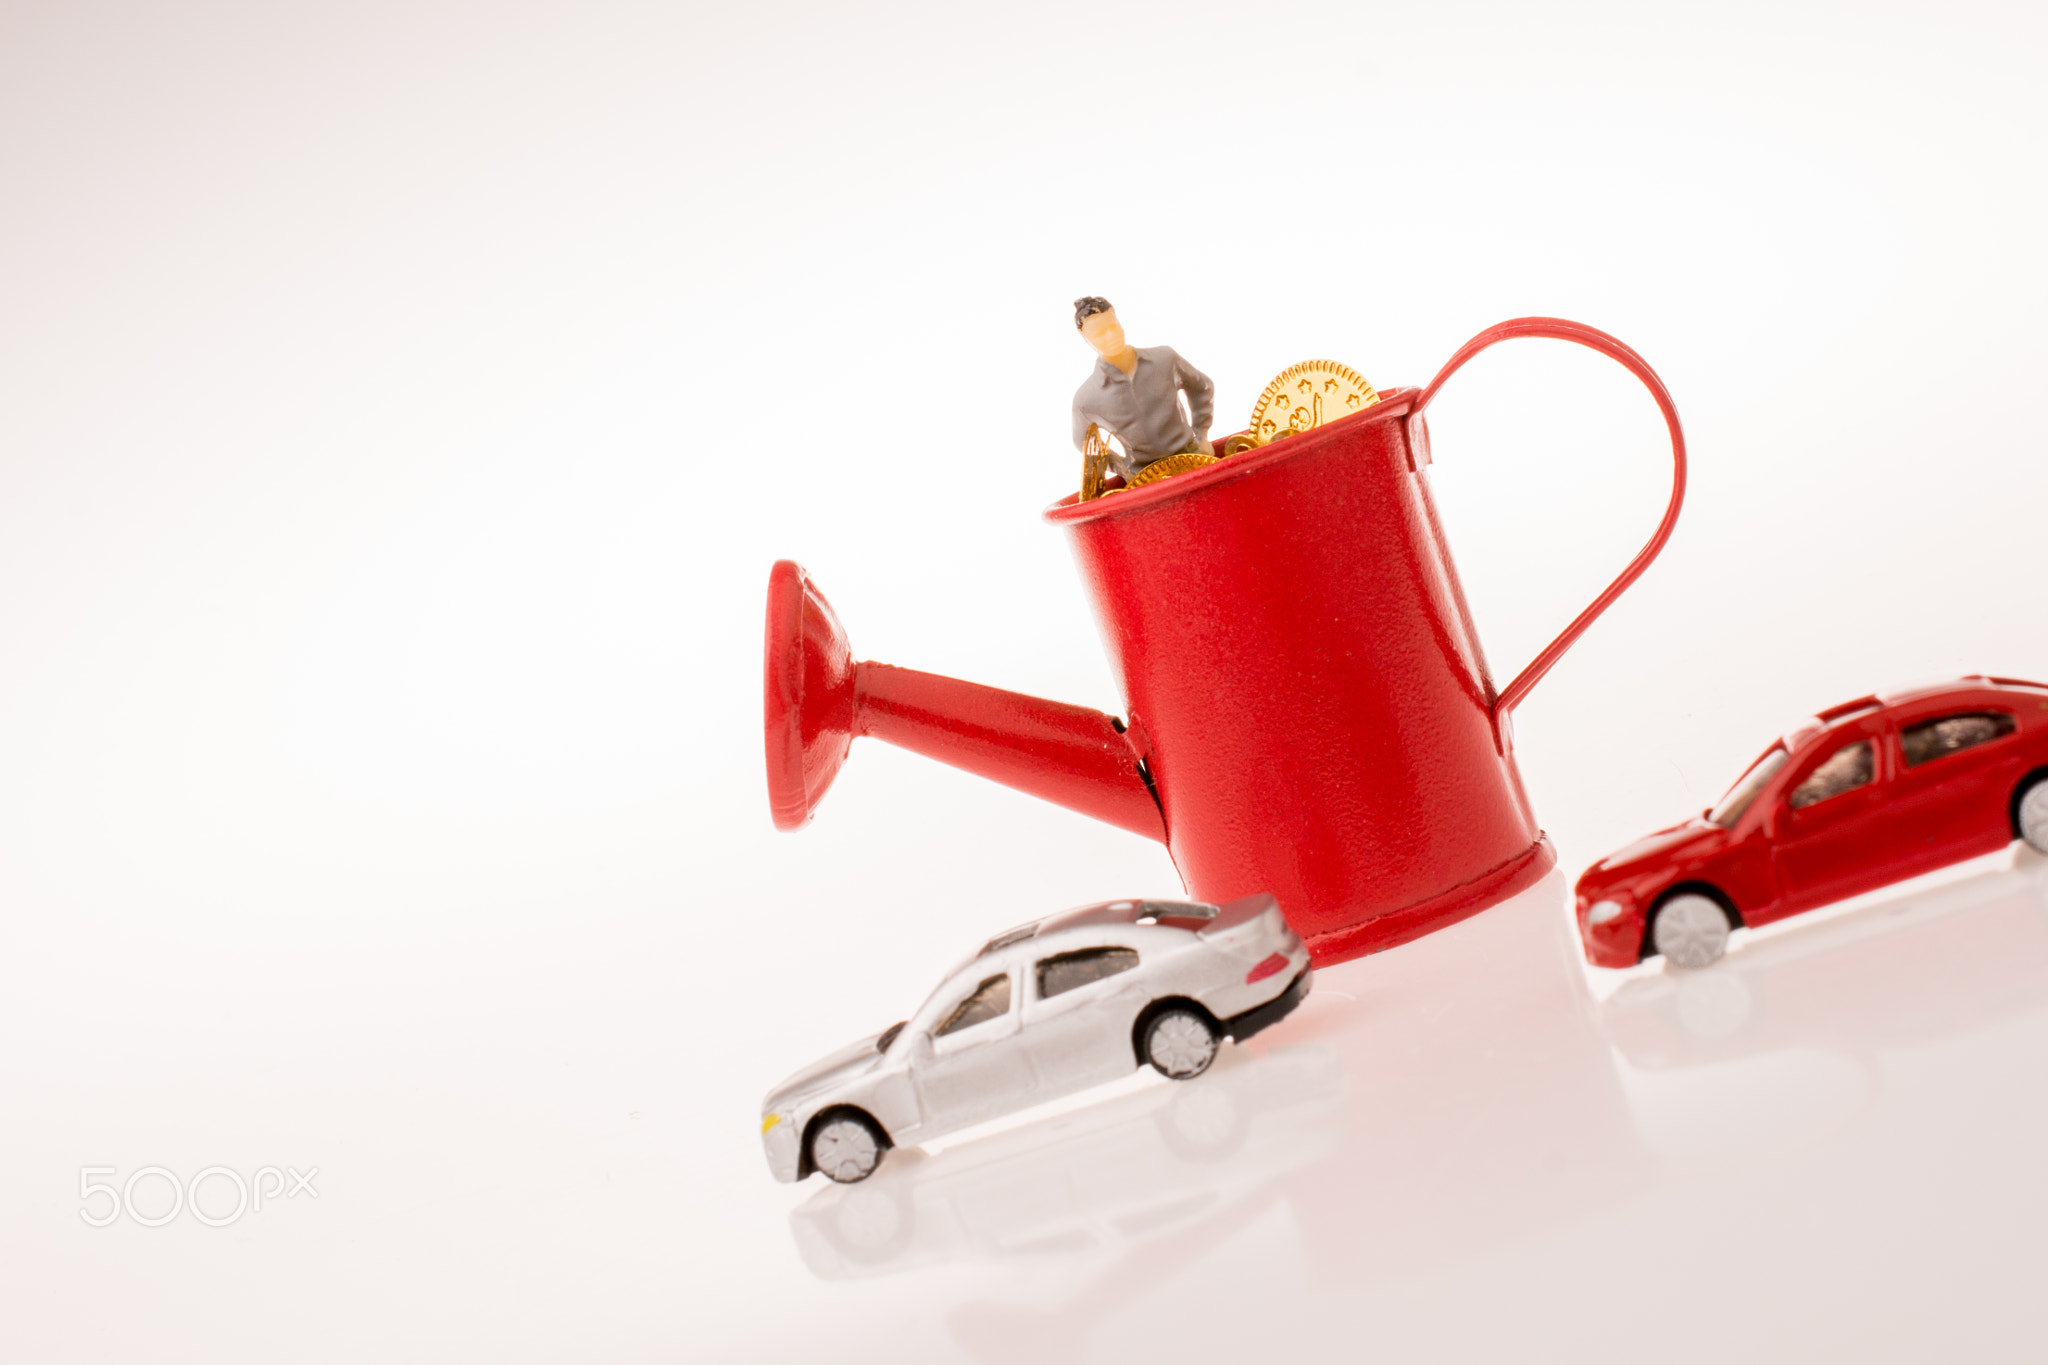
x=1746, y=788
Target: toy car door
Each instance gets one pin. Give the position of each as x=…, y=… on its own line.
x=976, y=1068
x=1828, y=822
x=1954, y=779
x=1077, y=1023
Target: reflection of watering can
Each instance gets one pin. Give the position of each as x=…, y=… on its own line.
x=1310, y=712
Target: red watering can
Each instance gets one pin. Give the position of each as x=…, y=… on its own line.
x=1309, y=710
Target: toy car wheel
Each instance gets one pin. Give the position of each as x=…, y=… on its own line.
x=1691, y=931
x=846, y=1148
x=2033, y=813
x=1180, y=1043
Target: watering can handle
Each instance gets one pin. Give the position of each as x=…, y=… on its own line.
x=1560, y=329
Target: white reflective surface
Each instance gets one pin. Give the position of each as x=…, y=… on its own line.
x=1468, y=1148
x=1167, y=1160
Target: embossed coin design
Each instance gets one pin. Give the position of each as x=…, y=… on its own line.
x=1303, y=397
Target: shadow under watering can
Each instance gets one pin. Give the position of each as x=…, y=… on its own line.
x=1309, y=709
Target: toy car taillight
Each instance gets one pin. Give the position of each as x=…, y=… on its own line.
x=1271, y=966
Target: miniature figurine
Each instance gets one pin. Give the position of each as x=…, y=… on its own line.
x=1866, y=793
x=1044, y=1010
x=1135, y=395
x=1308, y=709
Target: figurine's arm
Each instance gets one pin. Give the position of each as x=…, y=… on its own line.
x=1201, y=394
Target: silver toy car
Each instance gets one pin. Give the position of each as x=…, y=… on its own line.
x=1044, y=1010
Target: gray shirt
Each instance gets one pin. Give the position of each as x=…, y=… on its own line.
x=1142, y=409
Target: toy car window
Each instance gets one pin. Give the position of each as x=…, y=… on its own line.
x=1066, y=971
x=1850, y=767
x=1932, y=739
x=1743, y=793
x=991, y=1000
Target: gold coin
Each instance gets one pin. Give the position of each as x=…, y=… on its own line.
x=1303, y=397
x=1095, y=452
x=1168, y=467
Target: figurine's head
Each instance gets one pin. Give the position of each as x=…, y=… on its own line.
x=1099, y=327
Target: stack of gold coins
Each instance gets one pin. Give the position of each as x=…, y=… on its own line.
x=1170, y=466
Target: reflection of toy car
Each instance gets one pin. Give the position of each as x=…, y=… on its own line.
x=1917, y=969
x=1044, y=1010
x=1167, y=1160
x=1868, y=792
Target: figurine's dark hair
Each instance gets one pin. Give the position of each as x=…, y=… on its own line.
x=1088, y=308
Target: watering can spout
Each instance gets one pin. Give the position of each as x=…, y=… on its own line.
x=818, y=697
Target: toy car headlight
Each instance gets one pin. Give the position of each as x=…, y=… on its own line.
x=1604, y=912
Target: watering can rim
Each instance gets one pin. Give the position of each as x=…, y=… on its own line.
x=1071, y=510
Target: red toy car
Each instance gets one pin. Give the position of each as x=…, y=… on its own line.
x=1869, y=792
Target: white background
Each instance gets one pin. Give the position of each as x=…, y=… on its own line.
x=401, y=405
